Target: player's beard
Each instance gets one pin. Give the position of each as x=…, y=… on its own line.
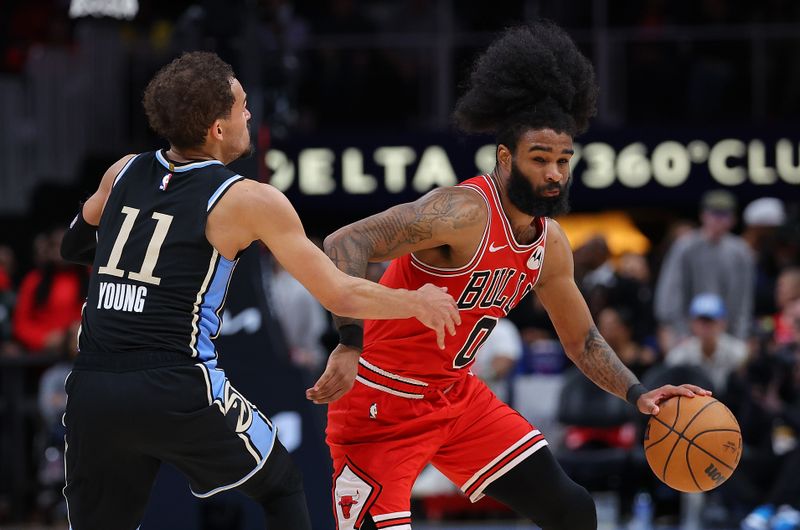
x=531, y=200
x=250, y=149
x=248, y=152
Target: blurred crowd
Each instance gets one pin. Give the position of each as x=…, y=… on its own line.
x=334, y=63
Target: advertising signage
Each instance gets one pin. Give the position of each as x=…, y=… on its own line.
x=611, y=170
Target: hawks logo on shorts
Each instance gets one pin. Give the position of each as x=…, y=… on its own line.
x=238, y=411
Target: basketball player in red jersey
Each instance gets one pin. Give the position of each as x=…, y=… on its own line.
x=490, y=241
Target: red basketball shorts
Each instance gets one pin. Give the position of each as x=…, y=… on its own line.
x=387, y=428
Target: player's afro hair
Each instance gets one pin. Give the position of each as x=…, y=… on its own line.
x=531, y=77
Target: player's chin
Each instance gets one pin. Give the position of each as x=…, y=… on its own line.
x=247, y=152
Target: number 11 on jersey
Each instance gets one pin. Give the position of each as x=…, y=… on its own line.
x=145, y=274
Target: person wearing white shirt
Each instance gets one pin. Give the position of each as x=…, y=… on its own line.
x=709, y=347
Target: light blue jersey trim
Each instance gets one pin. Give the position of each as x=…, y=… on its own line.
x=222, y=189
x=184, y=167
x=124, y=169
x=210, y=322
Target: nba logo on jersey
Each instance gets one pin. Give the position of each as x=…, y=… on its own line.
x=165, y=182
x=535, y=261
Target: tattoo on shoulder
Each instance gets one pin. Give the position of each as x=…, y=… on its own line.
x=602, y=365
x=380, y=236
x=415, y=222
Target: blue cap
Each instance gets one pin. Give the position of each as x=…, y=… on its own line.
x=708, y=305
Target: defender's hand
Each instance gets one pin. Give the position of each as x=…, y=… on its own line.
x=338, y=378
x=437, y=310
x=649, y=401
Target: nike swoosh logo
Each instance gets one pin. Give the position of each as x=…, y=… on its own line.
x=493, y=248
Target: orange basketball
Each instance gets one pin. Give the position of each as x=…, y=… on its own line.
x=693, y=444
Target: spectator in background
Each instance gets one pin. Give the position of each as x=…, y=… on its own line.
x=615, y=324
x=716, y=352
x=770, y=424
x=592, y=264
x=50, y=297
x=675, y=230
x=710, y=259
x=7, y=295
x=52, y=403
x=762, y=219
x=302, y=319
x=627, y=288
x=498, y=357
x=787, y=291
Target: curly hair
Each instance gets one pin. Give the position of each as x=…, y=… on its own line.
x=186, y=96
x=531, y=77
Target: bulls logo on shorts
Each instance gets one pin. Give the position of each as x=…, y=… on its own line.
x=353, y=495
x=346, y=502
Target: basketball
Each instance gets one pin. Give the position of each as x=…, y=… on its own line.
x=693, y=444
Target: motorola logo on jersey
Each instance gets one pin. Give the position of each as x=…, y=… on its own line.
x=501, y=288
x=535, y=261
x=121, y=297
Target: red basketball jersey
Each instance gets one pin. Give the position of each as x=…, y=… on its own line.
x=497, y=277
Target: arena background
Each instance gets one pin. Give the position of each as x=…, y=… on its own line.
x=351, y=103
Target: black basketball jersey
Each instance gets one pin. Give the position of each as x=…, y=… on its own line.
x=157, y=284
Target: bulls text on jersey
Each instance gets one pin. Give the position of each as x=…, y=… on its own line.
x=486, y=289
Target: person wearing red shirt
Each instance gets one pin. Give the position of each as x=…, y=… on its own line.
x=490, y=241
x=50, y=298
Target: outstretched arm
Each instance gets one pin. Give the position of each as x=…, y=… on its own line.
x=434, y=220
x=582, y=342
x=260, y=211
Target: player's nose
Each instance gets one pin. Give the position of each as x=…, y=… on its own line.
x=554, y=175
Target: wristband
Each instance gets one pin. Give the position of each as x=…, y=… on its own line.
x=634, y=393
x=80, y=241
x=352, y=335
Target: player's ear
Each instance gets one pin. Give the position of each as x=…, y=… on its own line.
x=504, y=157
x=215, y=131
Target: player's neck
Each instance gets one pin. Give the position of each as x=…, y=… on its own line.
x=519, y=220
x=183, y=156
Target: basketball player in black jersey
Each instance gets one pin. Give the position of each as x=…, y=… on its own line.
x=163, y=232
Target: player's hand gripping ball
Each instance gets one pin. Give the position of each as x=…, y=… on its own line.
x=693, y=444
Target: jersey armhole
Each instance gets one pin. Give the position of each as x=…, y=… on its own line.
x=123, y=170
x=478, y=251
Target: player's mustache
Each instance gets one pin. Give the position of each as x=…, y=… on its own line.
x=552, y=187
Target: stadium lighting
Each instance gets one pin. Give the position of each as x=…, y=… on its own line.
x=123, y=9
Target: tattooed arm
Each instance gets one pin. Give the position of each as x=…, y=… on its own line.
x=445, y=217
x=446, y=224
x=582, y=342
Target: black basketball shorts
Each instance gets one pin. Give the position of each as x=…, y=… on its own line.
x=122, y=424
